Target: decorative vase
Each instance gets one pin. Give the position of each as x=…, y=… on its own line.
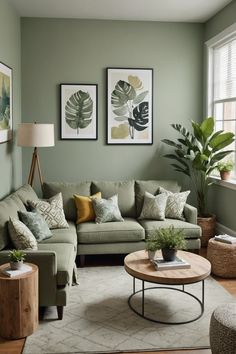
x=224, y=175
x=151, y=255
x=208, y=225
x=169, y=254
x=16, y=265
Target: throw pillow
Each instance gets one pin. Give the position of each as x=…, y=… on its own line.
x=52, y=211
x=175, y=204
x=21, y=236
x=84, y=206
x=154, y=206
x=107, y=210
x=36, y=223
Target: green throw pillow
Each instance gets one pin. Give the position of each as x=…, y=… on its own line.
x=36, y=223
x=21, y=236
x=107, y=210
x=175, y=204
x=154, y=206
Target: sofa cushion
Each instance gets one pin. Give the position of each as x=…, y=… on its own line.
x=124, y=190
x=26, y=193
x=36, y=223
x=65, y=255
x=152, y=186
x=190, y=230
x=154, y=207
x=107, y=210
x=84, y=206
x=67, y=190
x=175, y=203
x=21, y=236
x=8, y=207
x=128, y=231
x=63, y=235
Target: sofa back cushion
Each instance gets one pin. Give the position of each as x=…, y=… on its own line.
x=9, y=207
x=124, y=190
x=67, y=190
x=152, y=186
x=26, y=193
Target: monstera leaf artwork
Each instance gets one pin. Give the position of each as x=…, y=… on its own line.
x=129, y=101
x=5, y=103
x=78, y=110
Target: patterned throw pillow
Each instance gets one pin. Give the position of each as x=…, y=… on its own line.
x=84, y=206
x=36, y=223
x=154, y=206
x=52, y=211
x=175, y=204
x=107, y=210
x=21, y=236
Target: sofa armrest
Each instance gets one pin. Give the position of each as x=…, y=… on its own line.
x=47, y=264
x=190, y=214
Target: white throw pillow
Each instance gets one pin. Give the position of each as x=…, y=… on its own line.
x=154, y=206
x=107, y=210
x=175, y=204
x=21, y=236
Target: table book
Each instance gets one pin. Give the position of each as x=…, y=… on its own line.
x=225, y=238
x=178, y=263
x=14, y=273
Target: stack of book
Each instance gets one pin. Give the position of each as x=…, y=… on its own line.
x=225, y=238
x=178, y=263
x=14, y=273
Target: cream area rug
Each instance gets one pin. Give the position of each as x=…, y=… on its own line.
x=99, y=320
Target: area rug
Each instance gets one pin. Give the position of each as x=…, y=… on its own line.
x=99, y=320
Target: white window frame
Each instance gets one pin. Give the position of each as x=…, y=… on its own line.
x=220, y=39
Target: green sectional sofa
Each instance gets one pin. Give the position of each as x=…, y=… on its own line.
x=55, y=256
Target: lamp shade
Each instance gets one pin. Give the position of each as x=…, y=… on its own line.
x=35, y=135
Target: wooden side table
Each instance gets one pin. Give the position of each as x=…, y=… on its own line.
x=18, y=303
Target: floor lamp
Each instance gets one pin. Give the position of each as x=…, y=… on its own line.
x=35, y=135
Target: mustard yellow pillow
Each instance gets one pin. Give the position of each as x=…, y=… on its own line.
x=84, y=206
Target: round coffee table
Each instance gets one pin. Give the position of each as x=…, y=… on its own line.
x=138, y=265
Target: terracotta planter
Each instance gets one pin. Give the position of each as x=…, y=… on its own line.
x=208, y=226
x=225, y=175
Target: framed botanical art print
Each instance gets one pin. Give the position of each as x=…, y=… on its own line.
x=78, y=111
x=5, y=103
x=129, y=106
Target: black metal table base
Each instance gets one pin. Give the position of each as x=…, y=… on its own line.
x=143, y=290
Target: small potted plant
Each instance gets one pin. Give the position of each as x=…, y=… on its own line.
x=17, y=258
x=151, y=246
x=168, y=240
x=225, y=168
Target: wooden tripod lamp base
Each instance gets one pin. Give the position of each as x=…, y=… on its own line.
x=35, y=135
x=35, y=164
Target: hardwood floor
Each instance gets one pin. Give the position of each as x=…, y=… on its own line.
x=16, y=346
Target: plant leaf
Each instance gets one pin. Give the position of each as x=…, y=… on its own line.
x=121, y=119
x=123, y=93
x=222, y=140
x=140, y=97
x=140, y=113
x=121, y=111
x=171, y=143
x=78, y=110
x=207, y=127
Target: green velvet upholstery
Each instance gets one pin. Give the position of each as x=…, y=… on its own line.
x=124, y=190
x=151, y=186
x=110, y=232
x=67, y=190
x=8, y=207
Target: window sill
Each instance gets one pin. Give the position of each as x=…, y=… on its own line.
x=230, y=183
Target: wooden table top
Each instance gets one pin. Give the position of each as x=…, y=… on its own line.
x=24, y=275
x=139, y=266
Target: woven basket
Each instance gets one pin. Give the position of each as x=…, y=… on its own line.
x=222, y=257
x=208, y=226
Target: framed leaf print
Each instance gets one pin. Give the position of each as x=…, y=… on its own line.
x=129, y=106
x=5, y=103
x=78, y=111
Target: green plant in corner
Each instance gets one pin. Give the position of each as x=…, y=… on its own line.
x=197, y=153
x=17, y=256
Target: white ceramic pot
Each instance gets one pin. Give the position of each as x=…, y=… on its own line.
x=16, y=265
x=151, y=255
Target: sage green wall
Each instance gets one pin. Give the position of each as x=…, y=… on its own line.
x=10, y=155
x=222, y=199
x=58, y=51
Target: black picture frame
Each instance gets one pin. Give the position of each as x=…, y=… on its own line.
x=6, y=103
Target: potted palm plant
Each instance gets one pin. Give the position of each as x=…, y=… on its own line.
x=225, y=168
x=196, y=154
x=168, y=240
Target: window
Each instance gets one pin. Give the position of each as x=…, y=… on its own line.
x=222, y=81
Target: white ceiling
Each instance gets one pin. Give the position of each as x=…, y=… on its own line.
x=144, y=10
